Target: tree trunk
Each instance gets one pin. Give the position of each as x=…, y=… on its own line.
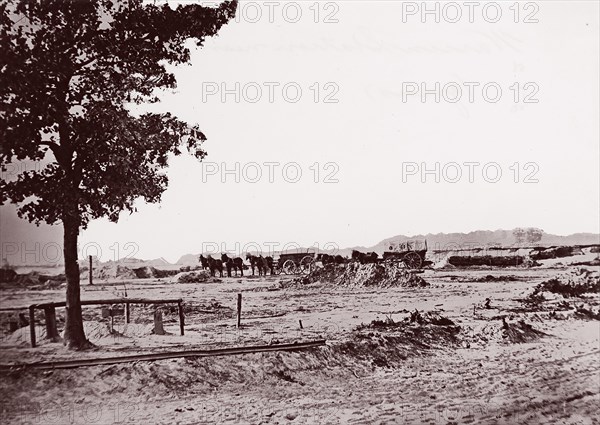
x=74, y=334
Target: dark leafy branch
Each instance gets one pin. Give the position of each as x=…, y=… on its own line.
x=67, y=73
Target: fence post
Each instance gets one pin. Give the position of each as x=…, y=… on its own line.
x=181, y=319
x=32, y=325
x=51, y=331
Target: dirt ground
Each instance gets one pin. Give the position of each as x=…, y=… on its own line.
x=399, y=372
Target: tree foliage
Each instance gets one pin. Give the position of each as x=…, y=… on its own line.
x=519, y=234
x=530, y=234
x=534, y=235
x=70, y=71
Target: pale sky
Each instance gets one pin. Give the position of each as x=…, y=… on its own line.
x=369, y=58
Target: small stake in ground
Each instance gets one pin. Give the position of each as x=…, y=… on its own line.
x=158, y=323
x=90, y=274
x=300, y=321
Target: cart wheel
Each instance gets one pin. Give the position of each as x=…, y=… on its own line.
x=307, y=264
x=289, y=267
x=412, y=260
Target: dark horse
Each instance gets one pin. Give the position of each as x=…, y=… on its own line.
x=270, y=264
x=204, y=261
x=261, y=263
x=215, y=265
x=233, y=263
x=330, y=259
x=369, y=257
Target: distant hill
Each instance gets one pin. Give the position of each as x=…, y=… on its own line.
x=136, y=262
x=132, y=263
x=157, y=262
x=440, y=241
x=481, y=238
x=188, y=260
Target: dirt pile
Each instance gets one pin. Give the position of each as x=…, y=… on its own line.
x=416, y=317
x=490, y=278
x=354, y=274
x=487, y=260
x=150, y=272
x=504, y=332
x=327, y=273
x=556, y=252
x=586, y=314
x=570, y=295
x=22, y=336
x=7, y=275
x=110, y=271
x=200, y=276
x=384, y=342
x=520, y=332
x=379, y=275
x=486, y=278
x=595, y=263
x=572, y=284
x=33, y=280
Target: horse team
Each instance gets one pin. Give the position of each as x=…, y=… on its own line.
x=267, y=264
x=257, y=262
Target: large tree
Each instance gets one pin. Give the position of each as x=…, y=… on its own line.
x=70, y=71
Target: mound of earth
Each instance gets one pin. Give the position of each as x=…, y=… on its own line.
x=111, y=271
x=595, y=263
x=427, y=318
x=34, y=280
x=200, y=276
x=572, y=284
x=491, y=278
x=149, y=271
x=520, y=332
x=327, y=273
x=379, y=275
x=487, y=260
x=353, y=274
x=22, y=336
x=386, y=342
x=502, y=331
x=556, y=252
x=7, y=275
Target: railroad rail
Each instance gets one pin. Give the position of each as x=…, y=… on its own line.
x=70, y=364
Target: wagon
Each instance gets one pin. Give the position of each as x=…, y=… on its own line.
x=407, y=253
x=295, y=263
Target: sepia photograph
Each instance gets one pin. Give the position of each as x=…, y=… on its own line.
x=299, y=212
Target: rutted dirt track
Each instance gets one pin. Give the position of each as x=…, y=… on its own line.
x=474, y=378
